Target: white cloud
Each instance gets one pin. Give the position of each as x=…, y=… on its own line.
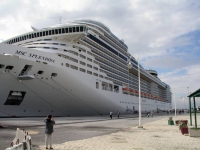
x=180, y=82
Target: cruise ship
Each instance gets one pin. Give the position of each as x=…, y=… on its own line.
x=78, y=68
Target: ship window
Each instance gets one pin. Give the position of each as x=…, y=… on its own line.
x=89, y=72
x=15, y=98
x=77, y=29
x=38, y=34
x=100, y=76
x=52, y=32
x=2, y=66
x=40, y=72
x=82, y=56
x=59, y=31
x=56, y=31
x=74, y=60
x=29, y=36
x=49, y=32
x=9, y=67
x=35, y=35
x=20, y=38
x=89, y=59
x=95, y=74
x=46, y=32
x=82, y=63
x=67, y=65
x=43, y=33
x=74, y=67
x=63, y=30
x=96, y=62
x=74, y=29
x=90, y=66
x=81, y=28
x=54, y=74
x=82, y=70
x=32, y=35
x=97, y=85
x=70, y=30
x=116, y=88
x=95, y=68
x=66, y=30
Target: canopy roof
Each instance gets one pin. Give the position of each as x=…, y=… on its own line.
x=195, y=94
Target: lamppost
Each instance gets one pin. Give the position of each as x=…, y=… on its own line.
x=183, y=101
x=174, y=104
x=173, y=93
x=130, y=66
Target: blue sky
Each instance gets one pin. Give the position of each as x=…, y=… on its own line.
x=164, y=33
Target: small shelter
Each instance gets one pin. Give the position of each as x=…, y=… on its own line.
x=193, y=95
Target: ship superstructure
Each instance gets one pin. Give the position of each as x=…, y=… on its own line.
x=77, y=68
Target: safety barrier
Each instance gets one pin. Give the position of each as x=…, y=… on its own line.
x=22, y=141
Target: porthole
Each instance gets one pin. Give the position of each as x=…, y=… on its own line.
x=54, y=74
x=2, y=66
x=40, y=72
x=9, y=67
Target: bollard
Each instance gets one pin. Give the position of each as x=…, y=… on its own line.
x=24, y=145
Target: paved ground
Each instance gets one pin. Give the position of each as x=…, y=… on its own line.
x=91, y=133
x=66, y=128
x=157, y=135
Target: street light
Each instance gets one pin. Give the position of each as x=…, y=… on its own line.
x=174, y=102
x=184, y=102
x=130, y=66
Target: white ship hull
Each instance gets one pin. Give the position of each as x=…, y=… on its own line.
x=70, y=93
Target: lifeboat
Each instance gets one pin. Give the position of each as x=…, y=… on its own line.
x=136, y=92
x=145, y=94
x=125, y=90
x=132, y=92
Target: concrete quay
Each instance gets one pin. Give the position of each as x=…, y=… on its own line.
x=102, y=133
x=156, y=135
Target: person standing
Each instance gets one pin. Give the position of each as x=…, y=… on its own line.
x=118, y=113
x=151, y=114
x=111, y=115
x=49, y=122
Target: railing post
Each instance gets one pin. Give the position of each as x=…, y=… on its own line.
x=195, y=115
x=190, y=111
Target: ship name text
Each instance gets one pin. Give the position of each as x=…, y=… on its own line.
x=34, y=56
